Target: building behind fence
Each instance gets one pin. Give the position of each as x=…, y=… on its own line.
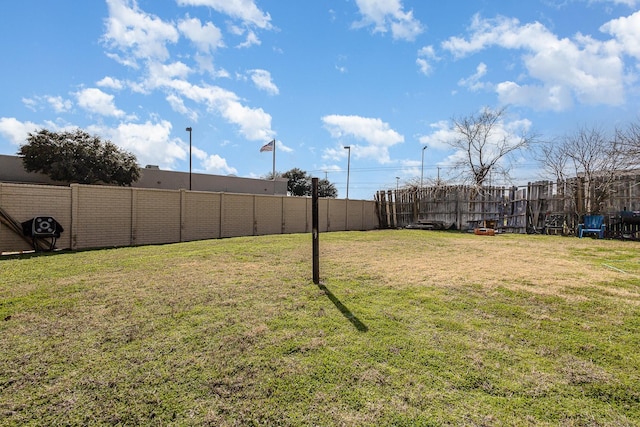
x=106, y=216
x=543, y=206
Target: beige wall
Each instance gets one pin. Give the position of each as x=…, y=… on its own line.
x=24, y=201
x=101, y=216
x=12, y=171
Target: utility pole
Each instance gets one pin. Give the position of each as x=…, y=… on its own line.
x=348, y=147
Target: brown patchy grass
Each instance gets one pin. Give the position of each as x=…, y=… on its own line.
x=407, y=328
x=546, y=265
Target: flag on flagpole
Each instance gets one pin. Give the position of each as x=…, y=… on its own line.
x=268, y=146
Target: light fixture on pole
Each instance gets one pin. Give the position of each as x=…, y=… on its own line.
x=422, y=169
x=348, y=147
x=397, y=183
x=189, y=130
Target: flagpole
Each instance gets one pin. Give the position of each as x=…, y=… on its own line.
x=274, y=160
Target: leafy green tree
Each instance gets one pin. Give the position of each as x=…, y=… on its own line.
x=327, y=189
x=300, y=184
x=78, y=157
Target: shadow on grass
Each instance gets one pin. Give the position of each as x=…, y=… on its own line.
x=343, y=309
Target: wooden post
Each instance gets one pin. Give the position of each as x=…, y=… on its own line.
x=394, y=202
x=315, y=232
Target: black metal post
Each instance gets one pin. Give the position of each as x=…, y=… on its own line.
x=315, y=231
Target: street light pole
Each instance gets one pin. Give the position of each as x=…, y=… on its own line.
x=397, y=184
x=422, y=169
x=189, y=130
x=348, y=147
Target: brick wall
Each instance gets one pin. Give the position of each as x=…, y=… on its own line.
x=201, y=215
x=101, y=216
x=157, y=216
x=297, y=214
x=104, y=216
x=23, y=202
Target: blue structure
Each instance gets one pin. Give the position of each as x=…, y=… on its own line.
x=592, y=224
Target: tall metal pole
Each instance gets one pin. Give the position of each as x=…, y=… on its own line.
x=189, y=130
x=422, y=169
x=348, y=147
x=397, y=183
x=274, y=160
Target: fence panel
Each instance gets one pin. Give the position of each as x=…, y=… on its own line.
x=102, y=216
x=156, y=215
x=200, y=215
x=268, y=215
x=237, y=215
x=105, y=216
x=24, y=202
x=537, y=207
x=337, y=214
x=297, y=214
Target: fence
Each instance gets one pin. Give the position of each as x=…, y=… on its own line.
x=104, y=216
x=552, y=207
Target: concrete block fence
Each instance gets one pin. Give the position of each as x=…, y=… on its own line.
x=105, y=216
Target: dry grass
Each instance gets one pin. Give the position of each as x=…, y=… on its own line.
x=407, y=328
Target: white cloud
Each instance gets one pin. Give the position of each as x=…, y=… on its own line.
x=626, y=30
x=31, y=103
x=262, y=80
x=134, y=32
x=443, y=132
x=177, y=104
x=206, y=37
x=388, y=15
x=217, y=165
x=144, y=36
x=16, y=131
x=252, y=40
x=283, y=148
x=58, y=103
x=473, y=82
x=96, y=101
x=539, y=97
x=437, y=140
x=426, y=54
x=206, y=65
x=160, y=75
x=245, y=10
x=376, y=135
x=254, y=124
x=150, y=142
x=111, y=83
x=630, y=3
x=591, y=71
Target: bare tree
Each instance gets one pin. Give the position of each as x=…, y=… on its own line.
x=484, y=142
x=553, y=159
x=628, y=140
x=590, y=161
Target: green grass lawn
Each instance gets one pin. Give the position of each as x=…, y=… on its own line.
x=406, y=328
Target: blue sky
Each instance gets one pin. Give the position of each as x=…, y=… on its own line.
x=382, y=76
